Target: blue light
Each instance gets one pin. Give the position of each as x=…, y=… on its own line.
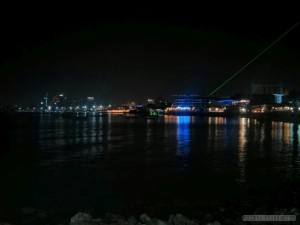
x=226, y=102
x=183, y=119
x=183, y=135
x=184, y=107
x=229, y=101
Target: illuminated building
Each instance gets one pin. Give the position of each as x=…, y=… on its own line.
x=90, y=103
x=199, y=103
x=275, y=90
x=59, y=99
x=189, y=101
x=90, y=98
x=278, y=98
x=158, y=103
x=151, y=101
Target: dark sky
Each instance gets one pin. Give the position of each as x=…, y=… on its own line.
x=126, y=53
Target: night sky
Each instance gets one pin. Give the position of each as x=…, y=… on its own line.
x=134, y=53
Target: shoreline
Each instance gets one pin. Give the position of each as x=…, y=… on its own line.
x=275, y=117
x=263, y=117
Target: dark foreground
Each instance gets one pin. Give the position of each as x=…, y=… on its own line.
x=222, y=216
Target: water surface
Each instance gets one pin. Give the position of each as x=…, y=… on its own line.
x=185, y=164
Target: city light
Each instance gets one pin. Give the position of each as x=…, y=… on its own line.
x=216, y=109
x=118, y=111
x=245, y=101
x=243, y=110
x=184, y=108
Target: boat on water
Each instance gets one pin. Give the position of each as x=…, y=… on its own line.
x=144, y=113
x=152, y=114
x=132, y=114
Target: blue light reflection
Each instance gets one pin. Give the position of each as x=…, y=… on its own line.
x=183, y=135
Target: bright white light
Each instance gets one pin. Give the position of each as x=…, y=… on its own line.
x=94, y=106
x=109, y=106
x=243, y=110
x=42, y=103
x=245, y=100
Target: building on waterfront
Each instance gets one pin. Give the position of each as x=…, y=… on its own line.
x=189, y=102
x=90, y=103
x=268, y=93
x=199, y=103
x=58, y=101
x=158, y=103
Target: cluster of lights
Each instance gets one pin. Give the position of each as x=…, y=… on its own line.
x=283, y=109
x=245, y=101
x=180, y=108
x=117, y=111
x=258, y=110
x=217, y=109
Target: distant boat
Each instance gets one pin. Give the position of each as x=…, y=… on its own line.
x=132, y=114
x=152, y=114
x=144, y=113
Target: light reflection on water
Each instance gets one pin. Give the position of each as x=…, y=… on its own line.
x=162, y=155
x=226, y=140
x=183, y=135
x=242, y=153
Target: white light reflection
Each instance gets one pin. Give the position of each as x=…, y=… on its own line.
x=286, y=134
x=149, y=137
x=242, y=153
x=216, y=131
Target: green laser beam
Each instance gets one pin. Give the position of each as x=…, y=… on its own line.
x=251, y=61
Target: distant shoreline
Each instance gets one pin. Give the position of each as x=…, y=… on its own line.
x=276, y=117
x=270, y=116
